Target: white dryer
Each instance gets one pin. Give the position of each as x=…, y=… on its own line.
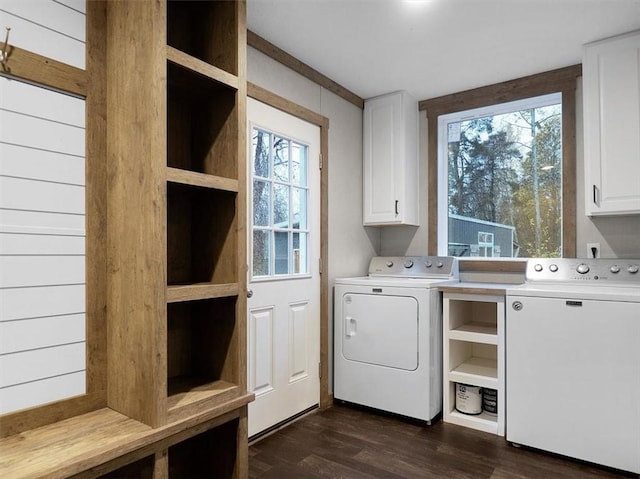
x=388, y=335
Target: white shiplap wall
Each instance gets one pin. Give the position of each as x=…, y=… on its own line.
x=51, y=28
x=42, y=214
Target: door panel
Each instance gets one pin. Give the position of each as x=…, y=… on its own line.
x=298, y=347
x=261, y=350
x=284, y=239
x=381, y=330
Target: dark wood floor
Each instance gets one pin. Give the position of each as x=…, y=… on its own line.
x=353, y=443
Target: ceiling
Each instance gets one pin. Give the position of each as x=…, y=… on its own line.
x=436, y=47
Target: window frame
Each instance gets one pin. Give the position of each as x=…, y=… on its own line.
x=564, y=81
x=475, y=113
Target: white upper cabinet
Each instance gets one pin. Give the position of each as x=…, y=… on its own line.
x=611, y=76
x=391, y=160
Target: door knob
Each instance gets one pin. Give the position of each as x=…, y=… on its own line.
x=249, y=293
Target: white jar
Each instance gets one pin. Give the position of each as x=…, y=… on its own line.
x=468, y=399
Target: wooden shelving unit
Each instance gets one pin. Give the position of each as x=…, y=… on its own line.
x=176, y=399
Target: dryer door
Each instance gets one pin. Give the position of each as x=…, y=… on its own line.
x=381, y=329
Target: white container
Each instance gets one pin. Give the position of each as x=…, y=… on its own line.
x=468, y=399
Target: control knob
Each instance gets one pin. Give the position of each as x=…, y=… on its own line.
x=582, y=268
x=615, y=269
x=408, y=263
x=389, y=264
x=440, y=264
x=428, y=264
x=538, y=267
x=553, y=268
x=632, y=268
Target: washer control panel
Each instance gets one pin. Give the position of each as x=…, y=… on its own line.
x=414, y=266
x=576, y=269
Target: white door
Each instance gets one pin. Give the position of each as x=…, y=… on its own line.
x=381, y=330
x=284, y=238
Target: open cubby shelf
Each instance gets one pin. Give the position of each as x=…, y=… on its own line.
x=202, y=123
x=205, y=30
x=202, y=349
x=473, y=354
x=205, y=455
x=201, y=236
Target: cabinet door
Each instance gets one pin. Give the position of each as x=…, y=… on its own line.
x=390, y=160
x=612, y=125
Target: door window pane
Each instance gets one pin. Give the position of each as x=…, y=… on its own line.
x=261, y=158
x=298, y=164
x=261, y=202
x=261, y=252
x=281, y=206
x=300, y=260
x=299, y=208
x=282, y=252
x=281, y=159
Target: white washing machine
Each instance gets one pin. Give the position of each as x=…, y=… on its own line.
x=573, y=360
x=388, y=335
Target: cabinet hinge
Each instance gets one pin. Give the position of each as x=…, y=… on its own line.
x=320, y=160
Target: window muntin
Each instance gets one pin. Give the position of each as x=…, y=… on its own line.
x=502, y=164
x=280, y=195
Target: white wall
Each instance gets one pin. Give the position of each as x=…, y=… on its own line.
x=42, y=214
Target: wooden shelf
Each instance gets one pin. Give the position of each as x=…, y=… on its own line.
x=202, y=68
x=477, y=332
x=192, y=292
x=476, y=371
x=202, y=180
x=188, y=395
x=91, y=440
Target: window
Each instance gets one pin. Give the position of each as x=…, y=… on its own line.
x=562, y=81
x=502, y=165
x=280, y=192
x=486, y=246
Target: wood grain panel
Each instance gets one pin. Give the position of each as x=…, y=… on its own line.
x=240, y=333
x=96, y=201
x=45, y=71
x=176, y=175
x=136, y=237
x=101, y=440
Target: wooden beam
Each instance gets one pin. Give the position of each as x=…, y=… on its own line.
x=35, y=68
x=526, y=87
x=279, y=55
